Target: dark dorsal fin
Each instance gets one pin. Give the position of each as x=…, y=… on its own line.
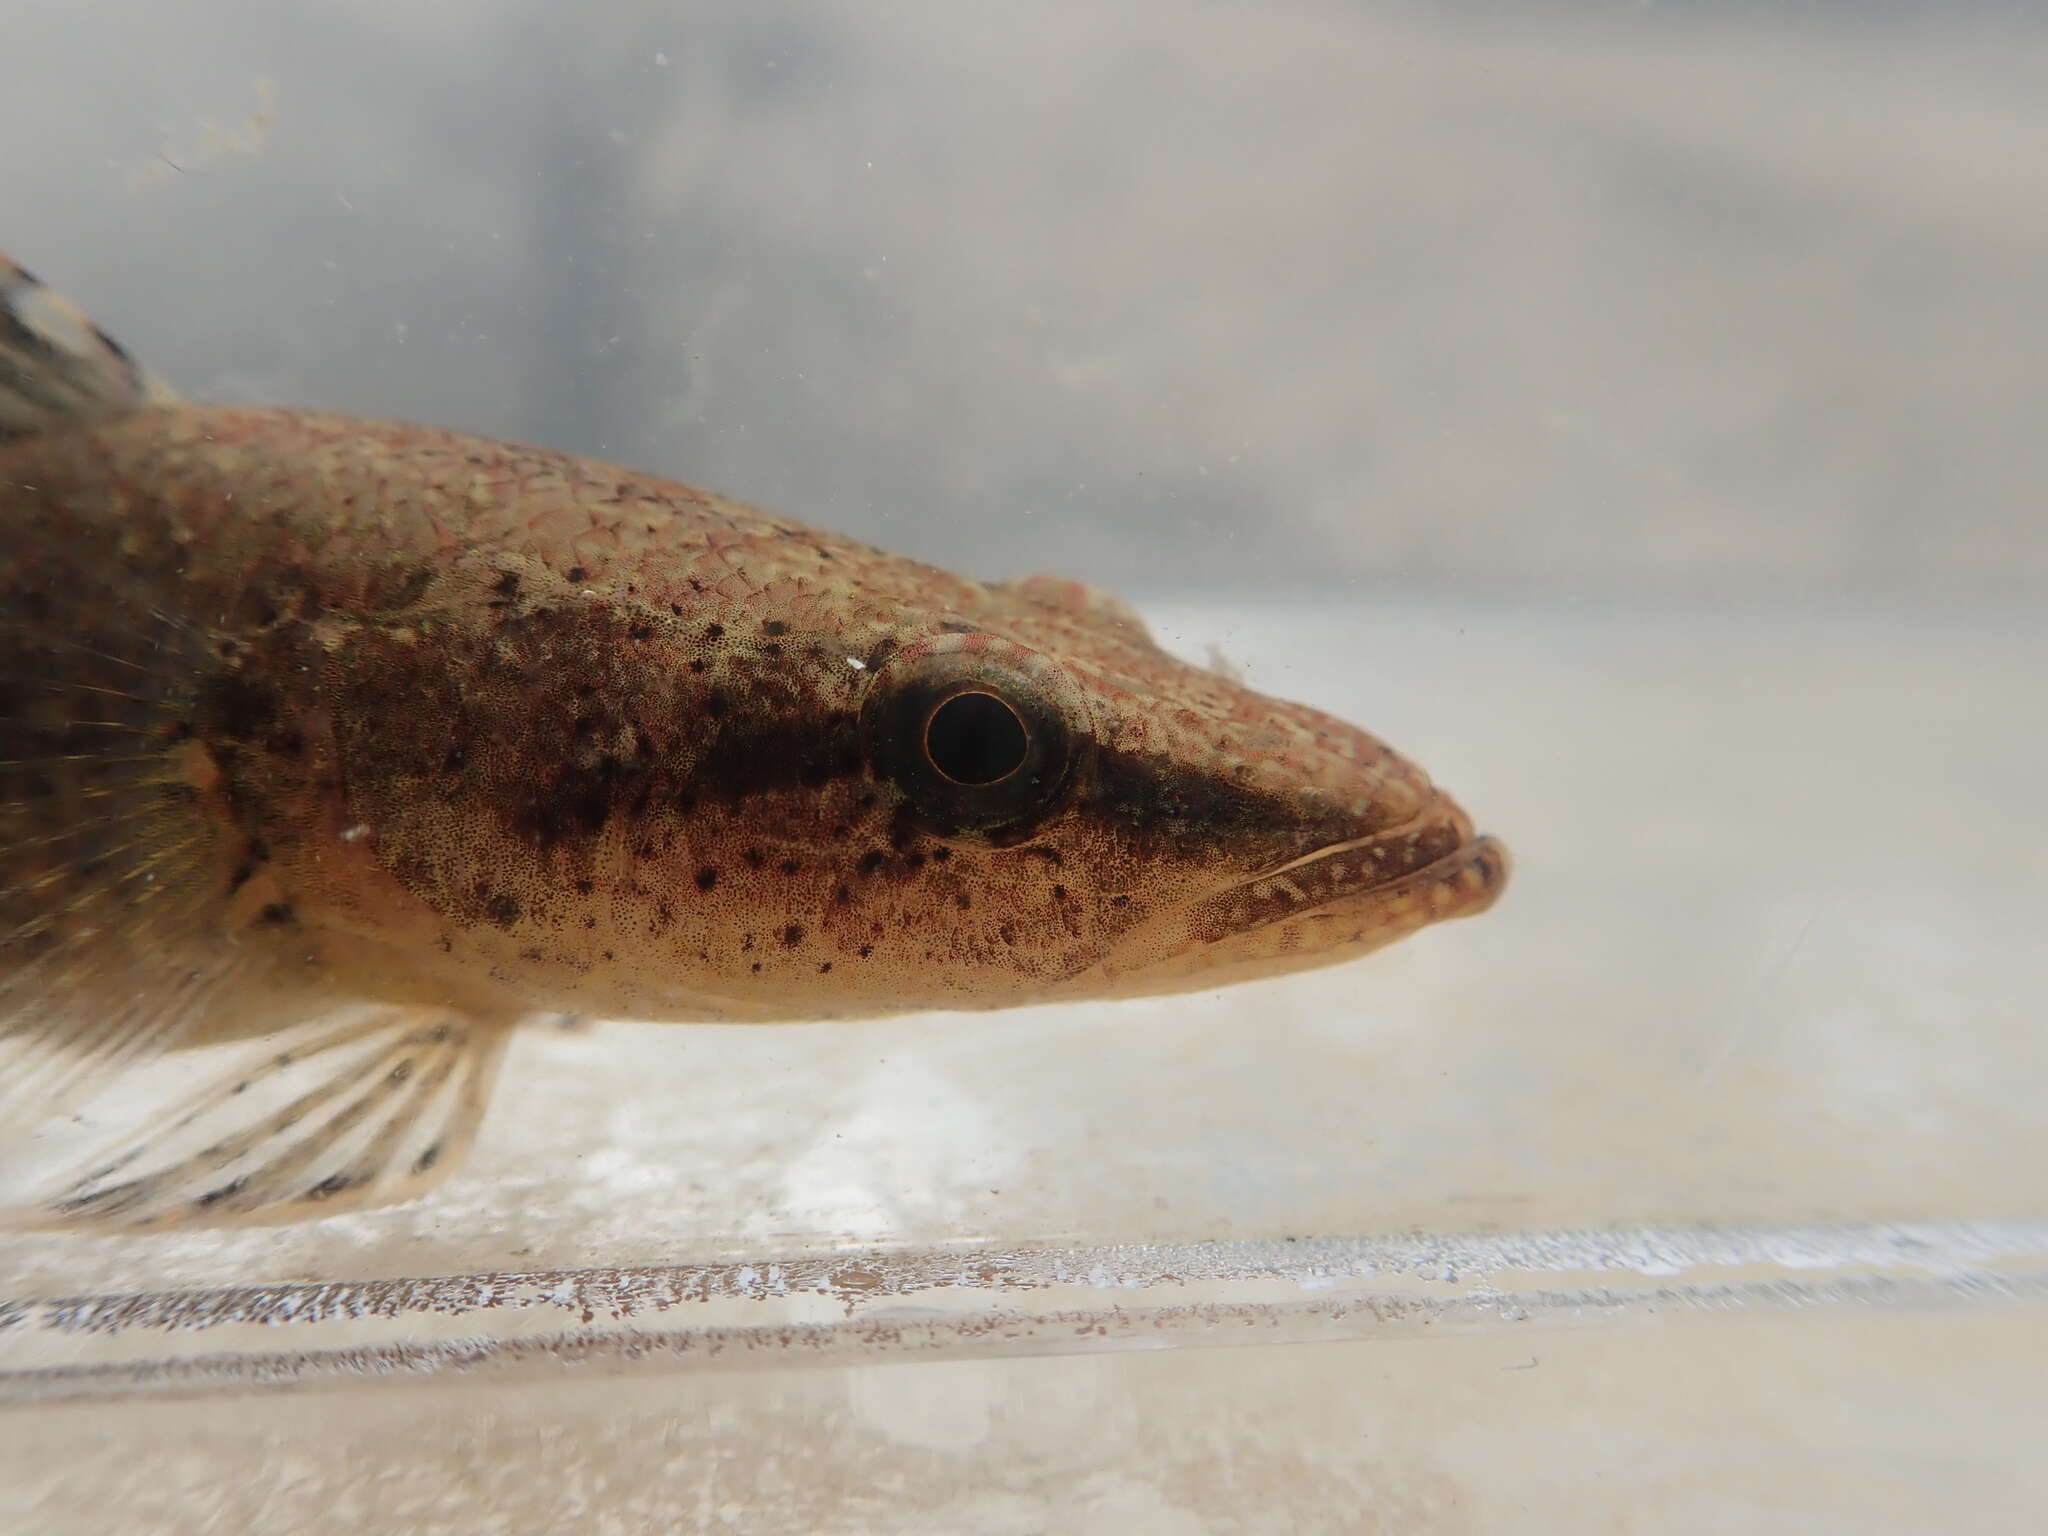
x=58, y=369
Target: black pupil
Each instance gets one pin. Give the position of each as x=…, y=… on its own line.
x=975, y=738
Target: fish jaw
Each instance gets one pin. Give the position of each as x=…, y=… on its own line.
x=1323, y=908
x=726, y=817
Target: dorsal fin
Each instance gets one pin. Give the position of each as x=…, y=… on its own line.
x=58, y=369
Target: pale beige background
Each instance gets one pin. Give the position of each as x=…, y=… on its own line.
x=1634, y=412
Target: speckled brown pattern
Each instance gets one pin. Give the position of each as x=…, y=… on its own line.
x=553, y=734
x=302, y=709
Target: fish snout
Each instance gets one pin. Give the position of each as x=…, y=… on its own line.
x=1383, y=884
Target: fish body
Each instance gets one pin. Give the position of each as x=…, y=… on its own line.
x=367, y=741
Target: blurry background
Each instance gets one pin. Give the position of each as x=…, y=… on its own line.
x=1633, y=411
x=1549, y=298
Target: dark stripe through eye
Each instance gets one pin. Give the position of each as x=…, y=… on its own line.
x=978, y=748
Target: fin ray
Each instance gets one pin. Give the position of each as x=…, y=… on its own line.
x=325, y=1117
x=111, y=951
x=50, y=1062
x=58, y=369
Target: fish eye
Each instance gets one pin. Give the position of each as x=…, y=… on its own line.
x=977, y=745
x=976, y=738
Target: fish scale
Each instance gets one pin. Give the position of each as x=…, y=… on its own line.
x=319, y=719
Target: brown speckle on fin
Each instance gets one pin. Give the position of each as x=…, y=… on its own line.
x=107, y=855
x=327, y=1117
x=58, y=369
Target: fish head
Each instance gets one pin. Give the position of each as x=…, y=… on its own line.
x=804, y=798
x=1132, y=824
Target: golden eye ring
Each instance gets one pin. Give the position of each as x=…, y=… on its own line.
x=978, y=746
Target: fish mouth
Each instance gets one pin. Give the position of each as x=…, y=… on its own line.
x=1337, y=902
x=1365, y=881
x=1350, y=883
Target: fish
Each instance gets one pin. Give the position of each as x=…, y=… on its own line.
x=348, y=747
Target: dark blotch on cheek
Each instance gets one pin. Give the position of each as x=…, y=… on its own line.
x=577, y=804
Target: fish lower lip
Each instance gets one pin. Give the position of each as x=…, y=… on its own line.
x=1471, y=877
x=1460, y=883
x=1292, y=918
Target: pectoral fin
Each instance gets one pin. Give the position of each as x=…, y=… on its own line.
x=49, y=1063
x=327, y=1117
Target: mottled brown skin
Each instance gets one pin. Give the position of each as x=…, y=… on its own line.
x=441, y=720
